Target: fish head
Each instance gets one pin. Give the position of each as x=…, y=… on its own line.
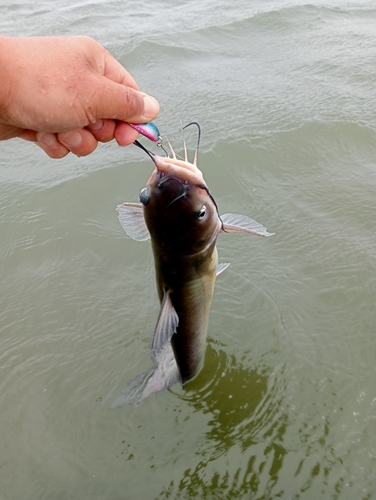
x=179, y=211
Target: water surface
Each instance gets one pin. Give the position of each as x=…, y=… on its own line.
x=285, y=406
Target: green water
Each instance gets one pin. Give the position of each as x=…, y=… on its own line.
x=285, y=406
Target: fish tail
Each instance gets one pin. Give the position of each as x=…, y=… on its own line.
x=162, y=376
x=136, y=390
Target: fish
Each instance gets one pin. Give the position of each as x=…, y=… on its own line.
x=180, y=216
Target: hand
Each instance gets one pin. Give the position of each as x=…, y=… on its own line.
x=66, y=94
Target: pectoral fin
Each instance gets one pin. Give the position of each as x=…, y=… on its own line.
x=166, y=326
x=221, y=268
x=235, y=223
x=131, y=217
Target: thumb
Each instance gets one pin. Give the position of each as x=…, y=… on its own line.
x=117, y=101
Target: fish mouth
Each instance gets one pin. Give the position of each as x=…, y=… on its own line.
x=170, y=164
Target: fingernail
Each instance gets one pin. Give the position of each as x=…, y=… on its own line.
x=72, y=139
x=47, y=139
x=96, y=125
x=151, y=107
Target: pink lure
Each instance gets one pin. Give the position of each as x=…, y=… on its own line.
x=149, y=130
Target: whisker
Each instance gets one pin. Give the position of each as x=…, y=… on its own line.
x=185, y=146
x=139, y=145
x=177, y=198
x=198, y=140
x=171, y=148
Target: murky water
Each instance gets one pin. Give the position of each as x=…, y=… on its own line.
x=285, y=406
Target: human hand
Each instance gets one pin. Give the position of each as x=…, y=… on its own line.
x=67, y=94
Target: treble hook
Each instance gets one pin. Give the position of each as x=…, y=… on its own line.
x=160, y=145
x=149, y=130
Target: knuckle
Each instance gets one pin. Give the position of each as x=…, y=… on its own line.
x=134, y=102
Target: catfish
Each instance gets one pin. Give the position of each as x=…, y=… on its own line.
x=179, y=215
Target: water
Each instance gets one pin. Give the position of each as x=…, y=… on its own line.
x=285, y=406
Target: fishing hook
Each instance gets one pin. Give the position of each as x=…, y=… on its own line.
x=160, y=145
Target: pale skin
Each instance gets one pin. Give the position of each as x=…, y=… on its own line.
x=66, y=94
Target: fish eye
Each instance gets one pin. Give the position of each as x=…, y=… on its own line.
x=200, y=214
x=145, y=195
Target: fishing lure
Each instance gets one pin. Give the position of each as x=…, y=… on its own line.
x=151, y=132
x=148, y=129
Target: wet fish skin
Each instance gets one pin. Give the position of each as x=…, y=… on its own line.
x=186, y=263
x=183, y=241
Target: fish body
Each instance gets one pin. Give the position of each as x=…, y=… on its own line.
x=181, y=217
x=183, y=223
